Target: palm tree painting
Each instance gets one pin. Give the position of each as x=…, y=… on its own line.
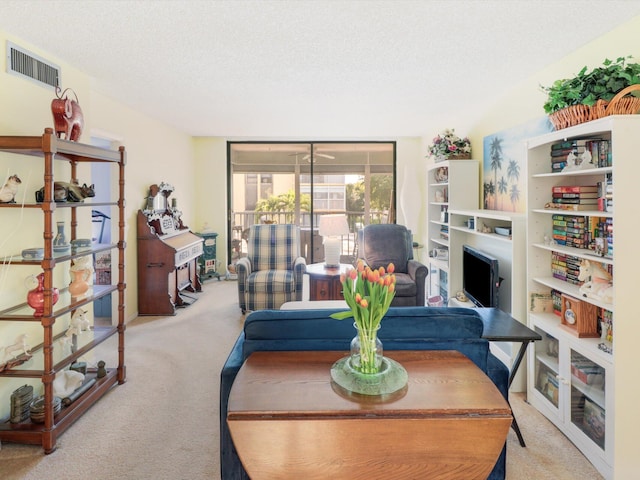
x=504, y=154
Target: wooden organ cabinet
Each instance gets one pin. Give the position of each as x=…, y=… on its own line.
x=167, y=256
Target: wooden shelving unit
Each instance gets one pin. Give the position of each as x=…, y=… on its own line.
x=47, y=357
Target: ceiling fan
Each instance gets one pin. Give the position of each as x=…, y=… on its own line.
x=307, y=156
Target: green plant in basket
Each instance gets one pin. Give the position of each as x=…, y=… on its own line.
x=368, y=294
x=587, y=87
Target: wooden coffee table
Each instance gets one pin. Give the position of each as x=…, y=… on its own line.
x=289, y=421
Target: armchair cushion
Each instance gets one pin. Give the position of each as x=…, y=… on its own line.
x=385, y=244
x=265, y=281
x=273, y=247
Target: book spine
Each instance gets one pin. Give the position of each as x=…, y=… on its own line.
x=575, y=189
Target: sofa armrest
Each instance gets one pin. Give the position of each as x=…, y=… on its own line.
x=243, y=267
x=498, y=372
x=230, y=465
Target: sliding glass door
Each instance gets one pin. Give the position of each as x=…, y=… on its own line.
x=282, y=182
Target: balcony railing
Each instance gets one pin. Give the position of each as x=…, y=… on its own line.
x=356, y=220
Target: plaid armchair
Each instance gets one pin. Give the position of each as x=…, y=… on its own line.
x=272, y=272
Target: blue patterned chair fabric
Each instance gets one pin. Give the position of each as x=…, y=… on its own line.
x=272, y=272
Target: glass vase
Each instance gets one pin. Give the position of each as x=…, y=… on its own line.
x=366, y=350
x=366, y=370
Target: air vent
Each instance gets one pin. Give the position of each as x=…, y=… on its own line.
x=26, y=64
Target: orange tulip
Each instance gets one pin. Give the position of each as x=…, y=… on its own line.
x=364, y=303
x=391, y=268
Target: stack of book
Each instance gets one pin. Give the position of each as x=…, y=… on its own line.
x=565, y=267
x=594, y=151
x=600, y=152
x=575, y=197
x=570, y=230
x=560, y=153
x=605, y=193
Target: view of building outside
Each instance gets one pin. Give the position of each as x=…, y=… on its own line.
x=277, y=183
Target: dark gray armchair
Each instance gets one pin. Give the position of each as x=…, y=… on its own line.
x=379, y=245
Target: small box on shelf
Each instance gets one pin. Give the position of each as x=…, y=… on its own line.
x=580, y=318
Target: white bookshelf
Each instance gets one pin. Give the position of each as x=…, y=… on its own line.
x=459, y=190
x=601, y=413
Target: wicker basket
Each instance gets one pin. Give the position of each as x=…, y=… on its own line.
x=570, y=116
x=462, y=156
x=577, y=114
x=623, y=105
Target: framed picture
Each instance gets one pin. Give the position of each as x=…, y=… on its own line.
x=504, y=154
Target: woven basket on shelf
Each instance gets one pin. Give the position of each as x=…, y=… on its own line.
x=577, y=114
x=570, y=116
x=462, y=156
x=622, y=104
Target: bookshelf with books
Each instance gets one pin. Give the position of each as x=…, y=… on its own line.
x=582, y=371
x=452, y=184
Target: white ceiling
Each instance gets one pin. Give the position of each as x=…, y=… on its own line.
x=310, y=69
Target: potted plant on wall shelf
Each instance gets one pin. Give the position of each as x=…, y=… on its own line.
x=610, y=89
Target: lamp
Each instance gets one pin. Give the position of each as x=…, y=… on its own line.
x=332, y=227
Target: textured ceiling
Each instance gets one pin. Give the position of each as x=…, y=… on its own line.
x=310, y=69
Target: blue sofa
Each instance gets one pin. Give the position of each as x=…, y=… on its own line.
x=403, y=328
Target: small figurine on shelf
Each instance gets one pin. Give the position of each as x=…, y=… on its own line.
x=19, y=347
x=102, y=371
x=10, y=189
x=80, y=321
x=597, y=281
x=442, y=175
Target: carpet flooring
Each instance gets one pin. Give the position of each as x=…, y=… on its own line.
x=162, y=424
